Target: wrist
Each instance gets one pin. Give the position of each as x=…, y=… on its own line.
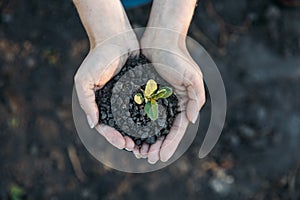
x=162, y=38
x=102, y=19
x=125, y=38
x=120, y=30
x=169, y=21
x=175, y=15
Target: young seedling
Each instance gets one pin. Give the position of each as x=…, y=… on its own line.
x=150, y=96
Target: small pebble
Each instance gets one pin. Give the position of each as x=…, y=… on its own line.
x=144, y=135
x=103, y=115
x=151, y=140
x=138, y=142
x=111, y=123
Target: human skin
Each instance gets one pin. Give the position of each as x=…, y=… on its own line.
x=167, y=28
x=102, y=20
x=164, y=43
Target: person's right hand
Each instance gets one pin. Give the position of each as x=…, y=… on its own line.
x=103, y=62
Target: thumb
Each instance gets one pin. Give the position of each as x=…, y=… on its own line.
x=86, y=96
x=196, y=97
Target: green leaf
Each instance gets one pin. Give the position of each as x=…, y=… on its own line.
x=151, y=109
x=151, y=86
x=164, y=92
x=138, y=98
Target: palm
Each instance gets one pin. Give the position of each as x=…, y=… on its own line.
x=101, y=64
x=179, y=70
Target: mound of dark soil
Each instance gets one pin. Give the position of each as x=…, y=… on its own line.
x=134, y=122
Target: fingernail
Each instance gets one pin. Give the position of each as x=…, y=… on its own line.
x=152, y=162
x=89, y=119
x=195, y=118
x=127, y=149
x=164, y=159
x=137, y=156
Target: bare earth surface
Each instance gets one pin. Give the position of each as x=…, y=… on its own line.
x=256, y=45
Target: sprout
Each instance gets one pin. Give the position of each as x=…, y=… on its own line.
x=150, y=96
x=138, y=98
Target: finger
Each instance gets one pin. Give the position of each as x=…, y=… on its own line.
x=129, y=143
x=136, y=152
x=135, y=52
x=196, y=95
x=174, y=137
x=111, y=135
x=144, y=150
x=153, y=153
x=86, y=96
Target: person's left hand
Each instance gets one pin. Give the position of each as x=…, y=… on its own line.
x=174, y=64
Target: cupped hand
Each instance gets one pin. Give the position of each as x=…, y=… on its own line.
x=103, y=62
x=174, y=64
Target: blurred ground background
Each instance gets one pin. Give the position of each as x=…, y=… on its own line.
x=256, y=45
